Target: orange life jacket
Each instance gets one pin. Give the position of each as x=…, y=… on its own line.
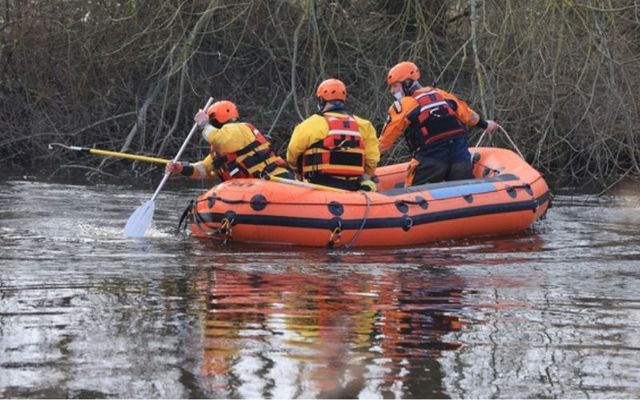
x=252, y=161
x=435, y=121
x=340, y=153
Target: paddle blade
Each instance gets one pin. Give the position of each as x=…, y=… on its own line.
x=140, y=220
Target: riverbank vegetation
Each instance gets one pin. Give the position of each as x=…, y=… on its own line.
x=560, y=76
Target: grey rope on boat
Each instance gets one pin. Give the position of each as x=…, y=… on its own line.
x=353, y=240
x=508, y=138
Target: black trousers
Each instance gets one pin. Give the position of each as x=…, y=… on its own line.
x=446, y=160
x=431, y=170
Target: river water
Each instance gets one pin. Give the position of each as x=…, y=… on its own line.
x=84, y=312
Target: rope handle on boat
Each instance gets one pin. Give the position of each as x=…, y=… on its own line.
x=187, y=215
x=508, y=138
x=335, y=237
x=225, y=229
x=355, y=237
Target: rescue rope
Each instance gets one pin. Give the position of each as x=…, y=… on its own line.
x=508, y=138
x=353, y=240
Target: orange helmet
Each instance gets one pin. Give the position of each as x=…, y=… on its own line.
x=403, y=71
x=332, y=89
x=223, y=111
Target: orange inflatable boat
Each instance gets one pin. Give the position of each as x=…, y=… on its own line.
x=506, y=196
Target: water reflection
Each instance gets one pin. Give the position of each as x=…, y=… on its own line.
x=84, y=312
x=324, y=332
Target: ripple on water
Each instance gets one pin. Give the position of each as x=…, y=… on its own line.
x=552, y=312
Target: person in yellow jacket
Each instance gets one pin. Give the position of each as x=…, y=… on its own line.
x=238, y=149
x=433, y=122
x=334, y=148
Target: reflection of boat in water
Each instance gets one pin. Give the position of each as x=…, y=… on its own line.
x=321, y=334
x=507, y=196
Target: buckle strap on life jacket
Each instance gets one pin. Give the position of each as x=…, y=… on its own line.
x=251, y=160
x=339, y=153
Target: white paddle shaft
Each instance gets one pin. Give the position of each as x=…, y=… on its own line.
x=139, y=221
x=179, y=154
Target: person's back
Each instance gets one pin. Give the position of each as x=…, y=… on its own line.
x=333, y=147
x=241, y=151
x=433, y=122
x=238, y=149
x=230, y=138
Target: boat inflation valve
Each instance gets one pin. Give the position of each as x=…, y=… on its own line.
x=258, y=202
x=402, y=206
x=336, y=208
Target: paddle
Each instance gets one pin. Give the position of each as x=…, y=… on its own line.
x=108, y=153
x=141, y=218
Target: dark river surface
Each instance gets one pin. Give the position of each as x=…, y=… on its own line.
x=85, y=312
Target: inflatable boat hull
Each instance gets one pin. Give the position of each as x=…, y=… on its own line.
x=507, y=196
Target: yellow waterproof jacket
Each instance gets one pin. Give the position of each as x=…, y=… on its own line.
x=315, y=128
x=203, y=168
x=397, y=121
x=227, y=140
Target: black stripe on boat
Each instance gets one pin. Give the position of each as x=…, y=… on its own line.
x=373, y=223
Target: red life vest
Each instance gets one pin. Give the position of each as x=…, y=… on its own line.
x=435, y=121
x=339, y=154
x=252, y=161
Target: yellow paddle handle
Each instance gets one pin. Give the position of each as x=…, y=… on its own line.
x=118, y=154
